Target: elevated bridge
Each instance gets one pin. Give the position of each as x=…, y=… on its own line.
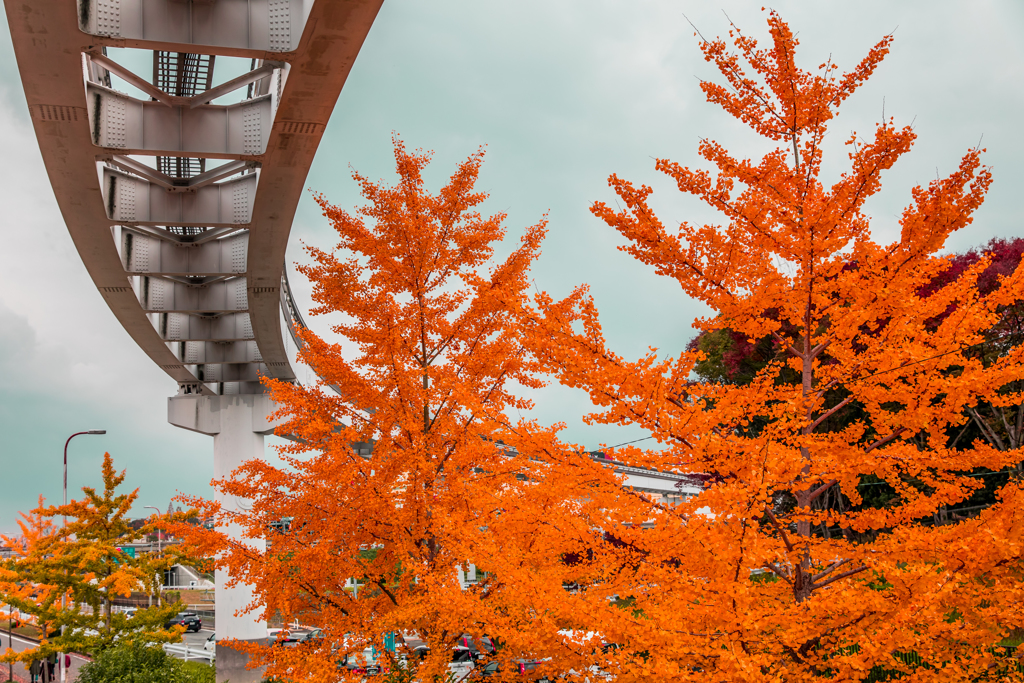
x=180, y=197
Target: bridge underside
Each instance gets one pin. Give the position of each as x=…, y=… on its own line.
x=179, y=187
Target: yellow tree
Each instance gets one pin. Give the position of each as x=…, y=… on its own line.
x=411, y=463
x=66, y=577
x=872, y=371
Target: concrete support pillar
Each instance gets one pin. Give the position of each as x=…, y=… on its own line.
x=238, y=424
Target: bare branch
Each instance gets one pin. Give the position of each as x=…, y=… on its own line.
x=882, y=442
x=816, y=351
x=835, y=566
x=986, y=429
x=820, y=490
x=840, y=576
x=829, y=413
x=785, y=537
x=778, y=572
x=789, y=347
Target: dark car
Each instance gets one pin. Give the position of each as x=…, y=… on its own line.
x=311, y=636
x=487, y=670
x=190, y=620
x=288, y=638
x=481, y=647
x=299, y=636
x=526, y=667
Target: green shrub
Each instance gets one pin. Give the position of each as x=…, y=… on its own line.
x=143, y=664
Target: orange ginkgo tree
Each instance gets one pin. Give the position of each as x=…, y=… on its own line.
x=757, y=579
x=411, y=466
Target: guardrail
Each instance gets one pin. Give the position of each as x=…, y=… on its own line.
x=189, y=652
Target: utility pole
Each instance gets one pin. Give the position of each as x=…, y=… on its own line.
x=159, y=546
x=10, y=642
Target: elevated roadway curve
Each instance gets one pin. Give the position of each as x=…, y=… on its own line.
x=181, y=207
x=180, y=198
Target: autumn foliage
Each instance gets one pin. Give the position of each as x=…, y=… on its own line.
x=870, y=368
x=410, y=465
x=67, y=576
x=411, y=462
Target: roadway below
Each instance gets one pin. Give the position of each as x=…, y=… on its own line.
x=19, y=644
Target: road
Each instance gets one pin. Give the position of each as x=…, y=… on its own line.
x=18, y=644
x=195, y=640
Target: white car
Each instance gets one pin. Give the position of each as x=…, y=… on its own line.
x=211, y=643
x=366, y=662
x=462, y=663
x=460, y=666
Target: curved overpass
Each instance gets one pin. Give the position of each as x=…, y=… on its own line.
x=181, y=207
x=180, y=198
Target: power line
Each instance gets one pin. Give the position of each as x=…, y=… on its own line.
x=925, y=360
x=873, y=374
x=976, y=474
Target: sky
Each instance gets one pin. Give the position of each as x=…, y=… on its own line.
x=562, y=94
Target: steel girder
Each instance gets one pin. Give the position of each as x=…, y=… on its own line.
x=188, y=252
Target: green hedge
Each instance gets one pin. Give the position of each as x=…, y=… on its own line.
x=143, y=664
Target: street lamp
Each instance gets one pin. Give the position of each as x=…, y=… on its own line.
x=64, y=598
x=159, y=547
x=91, y=431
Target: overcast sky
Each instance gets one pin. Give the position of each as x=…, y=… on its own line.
x=563, y=94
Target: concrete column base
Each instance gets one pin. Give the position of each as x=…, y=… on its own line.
x=231, y=665
x=238, y=424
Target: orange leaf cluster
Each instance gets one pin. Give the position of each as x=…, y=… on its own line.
x=407, y=466
x=768, y=580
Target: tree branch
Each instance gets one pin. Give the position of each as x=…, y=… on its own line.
x=882, y=442
x=785, y=537
x=835, y=566
x=829, y=413
x=789, y=347
x=840, y=576
x=816, y=351
x=820, y=490
x=986, y=429
x=778, y=572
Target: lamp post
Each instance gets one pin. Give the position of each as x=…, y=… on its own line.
x=159, y=546
x=64, y=597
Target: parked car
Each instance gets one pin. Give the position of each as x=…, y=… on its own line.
x=190, y=620
x=293, y=637
x=527, y=667
x=460, y=666
x=462, y=662
x=365, y=662
x=481, y=647
x=487, y=670
x=290, y=637
x=211, y=643
x=309, y=635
